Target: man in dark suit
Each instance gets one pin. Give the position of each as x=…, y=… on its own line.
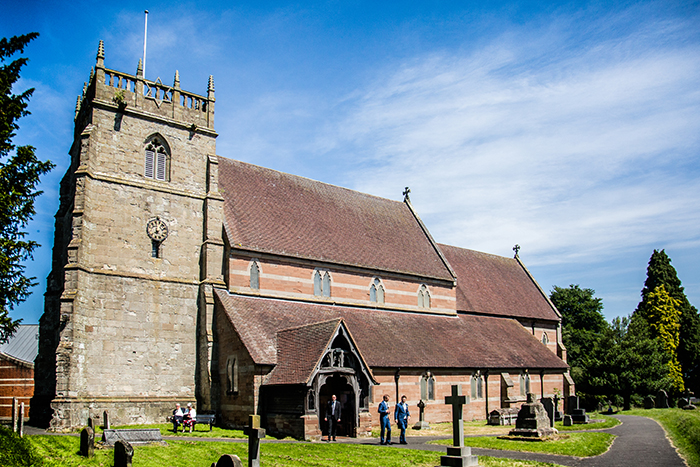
x=332, y=416
x=401, y=417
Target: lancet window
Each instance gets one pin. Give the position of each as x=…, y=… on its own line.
x=254, y=275
x=156, y=163
x=322, y=283
x=423, y=297
x=376, y=291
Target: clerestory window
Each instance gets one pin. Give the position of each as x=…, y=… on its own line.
x=254, y=275
x=322, y=283
x=376, y=291
x=423, y=297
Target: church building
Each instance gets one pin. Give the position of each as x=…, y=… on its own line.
x=180, y=275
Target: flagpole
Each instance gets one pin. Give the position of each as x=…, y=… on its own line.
x=145, y=34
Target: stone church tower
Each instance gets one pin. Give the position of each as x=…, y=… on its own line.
x=138, y=250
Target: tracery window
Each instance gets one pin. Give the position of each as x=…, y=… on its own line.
x=423, y=297
x=322, y=283
x=254, y=275
x=156, y=163
x=427, y=387
x=477, y=384
x=376, y=291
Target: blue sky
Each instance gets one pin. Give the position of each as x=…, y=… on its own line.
x=571, y=129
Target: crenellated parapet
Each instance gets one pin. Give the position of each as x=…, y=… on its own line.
x=133, y=93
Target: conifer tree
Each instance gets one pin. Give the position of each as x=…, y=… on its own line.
x=663, y=317
x=661, y=272
x=19, y=174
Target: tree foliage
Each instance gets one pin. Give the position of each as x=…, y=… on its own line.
x=661, y=272
x=19, y=175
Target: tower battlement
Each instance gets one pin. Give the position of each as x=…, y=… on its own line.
x=134, y=93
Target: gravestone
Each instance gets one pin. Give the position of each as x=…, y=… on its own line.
x=421, y=424
x=557, y=413
x=532, y=420
x=123, y=454
x=662, y=400
x=228, y=460
x=458, y=455
x=14, y=414
x=134, y=436
x=20, y=420
x=548, y=405
x=105, y=420
x=578, y=415
x=91, y=424
x=572, y=404
x=503, y=416
x=255, y=434
x=87, y=442
x=649, y=402
x=568, y=421
x=682, y=402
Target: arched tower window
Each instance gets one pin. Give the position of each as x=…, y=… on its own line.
x=423, y=297
x=545, y=338
x=254, y=275
x=376, y=291
x=157, y=160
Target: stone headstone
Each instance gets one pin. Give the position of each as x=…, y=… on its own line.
x=105, y=420
x=87, y=442
x=20, y=420
x=255, y=434
x=682, y=402
x=91, y=424
x=458, y=454
x=649, y=402
x=421, y=424
x=133, y=436
x=689, y=407
x=572, y=404
x=228, y=460
x=568, y=421
x=123, y=454
x=662, y=400
x=532, y=420
x=14, y=414
x=548, y=405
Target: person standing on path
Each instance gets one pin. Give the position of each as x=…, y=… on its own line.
x=384, y=420
x=401, y=417
x=332, y=416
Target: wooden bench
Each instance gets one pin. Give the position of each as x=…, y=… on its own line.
x=207, y=419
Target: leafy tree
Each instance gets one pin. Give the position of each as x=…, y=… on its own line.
x=582, y=320
x=661, y=272
x=19, y=174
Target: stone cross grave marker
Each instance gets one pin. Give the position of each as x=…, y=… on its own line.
x=422, y=424
x=458, y=455
x=87, y=442
x=255, y=434
x=123, y=454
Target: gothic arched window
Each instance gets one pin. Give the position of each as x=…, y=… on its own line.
x=254, y=275
x=427, y=387
x=156, y=164
x=423, y=297
x=545, y=338
x=376, y=292
x=322, y=284
x=477, y=384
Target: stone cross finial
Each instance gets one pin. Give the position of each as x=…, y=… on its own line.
x=457, y=401
x=139, y=69
x=405, y=194
x=516, y=249
x=101, y=50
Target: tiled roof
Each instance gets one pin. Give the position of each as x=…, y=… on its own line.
x=393, y=339
x=24, y=344
x=282, y=214
x=299, y=350
x=496, y=285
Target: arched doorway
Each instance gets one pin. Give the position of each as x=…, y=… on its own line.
x=340, y=386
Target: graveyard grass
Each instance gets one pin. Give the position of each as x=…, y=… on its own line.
x=682, y=426
x=582, y=444
x=63, y=451
x=200, y=431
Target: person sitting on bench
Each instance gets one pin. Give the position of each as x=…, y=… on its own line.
x=178, y=415
x=190, y=418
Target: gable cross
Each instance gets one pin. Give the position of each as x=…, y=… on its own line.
x=457, y=401
x=405, y=194
x=516, y=249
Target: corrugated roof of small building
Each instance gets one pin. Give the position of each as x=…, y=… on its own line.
x=24, y=344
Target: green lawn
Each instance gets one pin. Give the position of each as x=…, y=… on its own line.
x=585, y=444
x=682, y=426
x=62, y=451
x=200, y=431
x=608, y=423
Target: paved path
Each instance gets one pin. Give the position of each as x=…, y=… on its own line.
x=640, y=442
